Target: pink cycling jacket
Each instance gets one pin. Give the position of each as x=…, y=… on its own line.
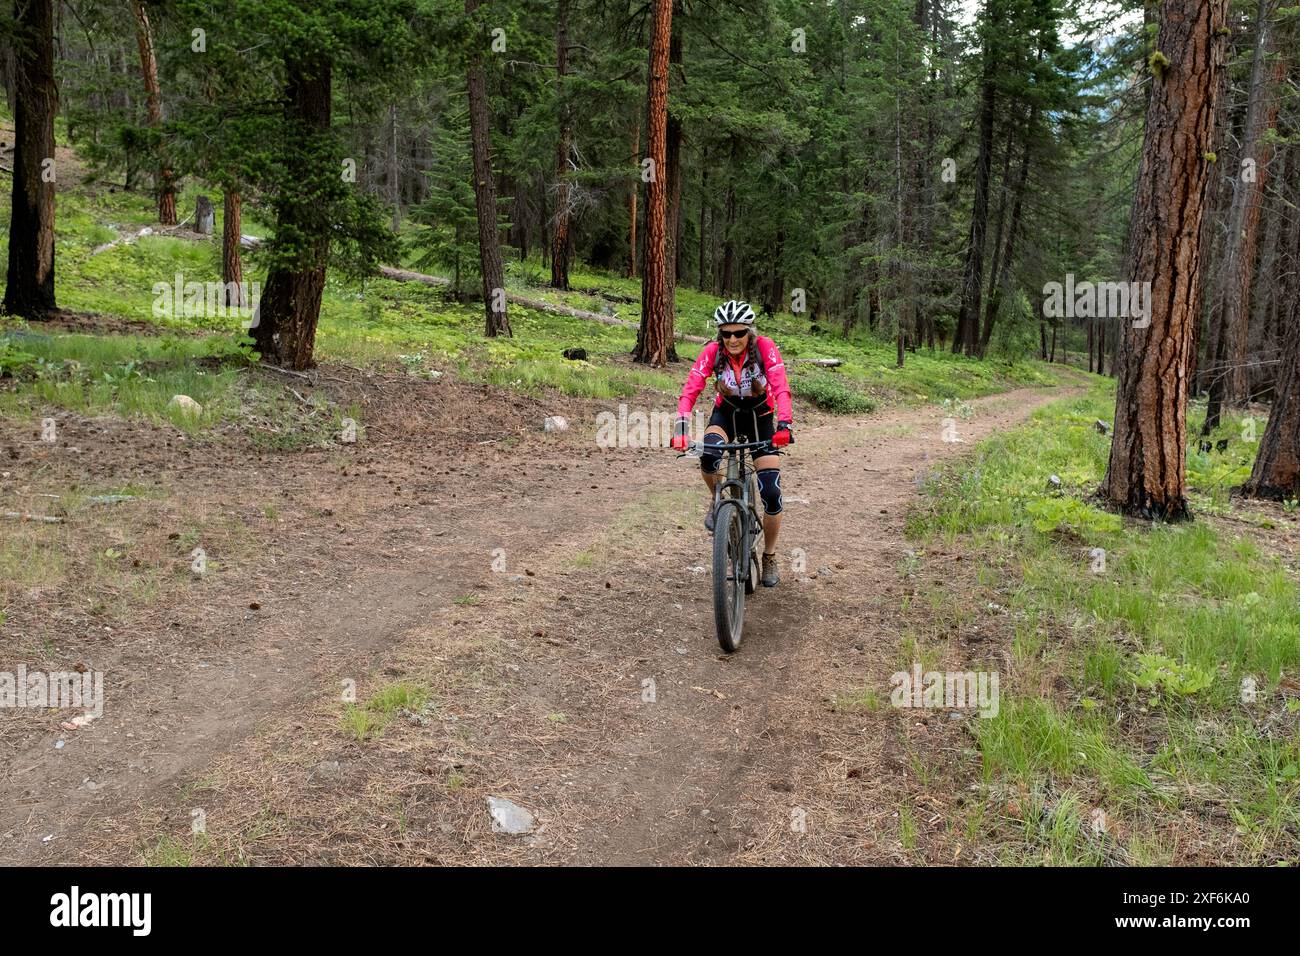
x=770, y=380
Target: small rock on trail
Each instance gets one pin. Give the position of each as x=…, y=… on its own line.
x=509, y=817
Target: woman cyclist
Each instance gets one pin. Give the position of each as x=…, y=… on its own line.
x=750, y=380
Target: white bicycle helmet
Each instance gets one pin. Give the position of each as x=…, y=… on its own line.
x=733, y=312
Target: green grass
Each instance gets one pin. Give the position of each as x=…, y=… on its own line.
x=907, y=828
x=169, y=851
x=375, y=321
x=128, y=376
x=27, y=561
x=867, y=699
x=1152, y=650
x=136, y=377
x=368, y=720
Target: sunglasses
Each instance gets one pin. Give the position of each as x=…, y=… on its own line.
x=733, y=335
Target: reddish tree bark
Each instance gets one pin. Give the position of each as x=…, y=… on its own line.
x=673, y=154
x=654, y=340
x=1247, y=200
x=153, y=97
x=1147, y=471
x=232, y=267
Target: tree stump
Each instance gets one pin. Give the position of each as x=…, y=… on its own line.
x=205, y=216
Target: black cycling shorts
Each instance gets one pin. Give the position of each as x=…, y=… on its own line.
x=744, y=424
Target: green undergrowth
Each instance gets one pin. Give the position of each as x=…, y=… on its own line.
x=1169, y=649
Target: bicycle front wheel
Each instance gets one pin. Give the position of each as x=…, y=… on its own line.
x=729, y=573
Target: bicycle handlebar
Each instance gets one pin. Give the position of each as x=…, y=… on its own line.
x=729, y=446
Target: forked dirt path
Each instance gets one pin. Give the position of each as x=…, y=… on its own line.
x=557, y=608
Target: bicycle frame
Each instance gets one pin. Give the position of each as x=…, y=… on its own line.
x=739, y=485
x=737, y=470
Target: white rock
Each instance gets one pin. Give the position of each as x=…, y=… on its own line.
x=434, y=375
x=186, y=404
x=509, y=817
x=555, y=423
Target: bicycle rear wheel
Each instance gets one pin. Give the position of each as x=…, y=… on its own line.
x=729, y=573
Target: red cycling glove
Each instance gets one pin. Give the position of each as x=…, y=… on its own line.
x=680, y=440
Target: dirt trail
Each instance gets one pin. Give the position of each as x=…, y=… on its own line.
x=538, y=673
x=738, y=757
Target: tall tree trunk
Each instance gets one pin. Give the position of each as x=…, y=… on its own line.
x=545, y=218
x=1146, y=474
x=654, y=340
x=1266, y=334
x=232, y=268
x=632, y=258
x=728, y=278
x=776, y=285
x=1213, y=227
x=394, y=171
x=703, y=277
x=1001, y=278
x=153, y=96
x=285, y=328
x=29, y=287
x=485, y=197
x=1004, y=198
x=9, y=73
x=1248, y=194
x=673, y=154
x=1288, y=286
x=1276, y=473
x=1214, y=404
x=560, y=239
x=928, y=136
x=521, y=215
x=968, y=316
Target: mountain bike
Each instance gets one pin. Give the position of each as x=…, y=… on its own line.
x=737, y=535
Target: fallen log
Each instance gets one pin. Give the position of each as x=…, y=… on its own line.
x=125, y=241
x=21, y=516
x=405, y=275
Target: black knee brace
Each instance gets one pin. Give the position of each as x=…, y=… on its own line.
x=710, y=460
x=769, y=489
